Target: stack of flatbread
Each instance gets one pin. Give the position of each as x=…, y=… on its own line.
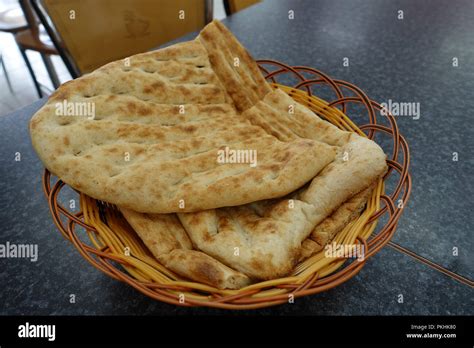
x=169, y=144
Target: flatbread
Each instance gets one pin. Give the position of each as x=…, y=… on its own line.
x=260, y=246
x=268, y=236
x=160, y=123
x=263, y=239
x=234, y=66
x=166, y=238
x=235, y=227
x=324, y=232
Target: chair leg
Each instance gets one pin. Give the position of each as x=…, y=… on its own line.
x=2, y=63
x=32, y=73
x=50, y=69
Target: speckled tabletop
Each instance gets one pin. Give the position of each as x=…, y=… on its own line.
x=403, y=60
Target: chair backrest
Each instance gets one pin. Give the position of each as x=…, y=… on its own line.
x=232, y=6
x=91, y=33
x=30, y=17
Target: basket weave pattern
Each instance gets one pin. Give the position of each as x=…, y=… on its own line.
x=103, y=237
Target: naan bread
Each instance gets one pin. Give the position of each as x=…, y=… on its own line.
x=324, y=232
x=261, y=246
x=166, y=238
x=153, y=145
x=235, y=228
x=264, y=239
x=256, y=228
x=234, y=66
x=268, y=236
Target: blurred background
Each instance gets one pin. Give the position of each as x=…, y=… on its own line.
x=44, y=43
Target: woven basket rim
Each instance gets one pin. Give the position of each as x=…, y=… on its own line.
x=67, y=221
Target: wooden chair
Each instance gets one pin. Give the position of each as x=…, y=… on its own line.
x=31, y=39
x=90, y=33
x=233, y=6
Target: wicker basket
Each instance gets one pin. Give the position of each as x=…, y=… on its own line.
x=110, y=244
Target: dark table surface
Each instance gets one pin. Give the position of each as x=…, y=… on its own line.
x=408, y=60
